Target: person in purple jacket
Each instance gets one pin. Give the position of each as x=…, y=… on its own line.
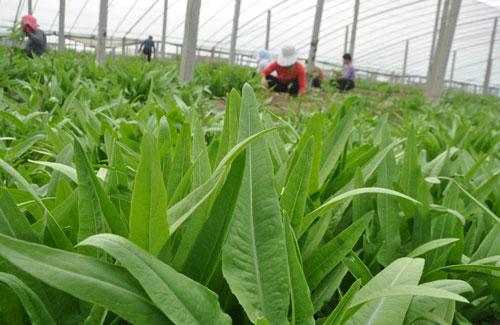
x=348, y=78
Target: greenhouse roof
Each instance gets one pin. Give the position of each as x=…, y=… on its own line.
x=383, y=29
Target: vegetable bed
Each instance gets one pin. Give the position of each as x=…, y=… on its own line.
x=126, y=197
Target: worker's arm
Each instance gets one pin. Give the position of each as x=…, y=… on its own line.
x=268, y=70
x=319, y=73
x=35, y=38
x=302, y=79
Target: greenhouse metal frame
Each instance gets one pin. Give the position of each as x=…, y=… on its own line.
x=433, y=43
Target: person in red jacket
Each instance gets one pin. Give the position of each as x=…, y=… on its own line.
x=290, y=74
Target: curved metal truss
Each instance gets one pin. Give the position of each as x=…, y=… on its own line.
x=384, y=29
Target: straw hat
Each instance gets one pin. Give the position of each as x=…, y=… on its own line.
x=288, y=56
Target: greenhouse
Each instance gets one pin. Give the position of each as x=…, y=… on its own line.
x=250, y=162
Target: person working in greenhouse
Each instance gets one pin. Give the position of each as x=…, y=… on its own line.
x=264, y=58
x=348, y=79
x=37, y=41
x=147, y=47
x=290, y=74
x=317, y=76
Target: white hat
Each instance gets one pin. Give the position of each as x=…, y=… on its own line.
x=288, y=56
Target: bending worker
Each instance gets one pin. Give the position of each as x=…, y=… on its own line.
x=290, y=74
x=37, y=41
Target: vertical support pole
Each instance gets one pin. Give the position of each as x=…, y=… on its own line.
x=164, y=29
x=268, y=30
x=18, y=12
x=123, y=46
x=354, y=27
x=346, y=39
x=435, y=79
x=102, y=32
x=212, y=54
x=62, y=18
x=30, y=7
x=188, y=55
x=234, y=34
x=436, y=27
x=405, y=61
x=452, y=72
x=489, y=63
x=315, y=38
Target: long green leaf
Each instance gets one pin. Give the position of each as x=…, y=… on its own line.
x=294, y=197
x=97, y=213
x=13, y=222
x=409, y=290
x=254, y=255
x=66, y=170
x=323, y=260
x=334, y=145
x=85, y=277
x=148, y=220
x=181, y=299
x=54, y=228
x=339, y=312
x=182, y=210
x=206, y=251
x=181, y=161
x=34, y=307
x=302, y=307
x=403, y=271
x=312, y=216
x=422, y=249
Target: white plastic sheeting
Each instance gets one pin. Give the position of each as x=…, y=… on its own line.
x=384, y=26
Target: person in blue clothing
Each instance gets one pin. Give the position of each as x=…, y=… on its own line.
x=147, y=47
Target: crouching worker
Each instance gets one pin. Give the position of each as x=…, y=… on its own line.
x=37, y=41
x=290, y=74
x=348, y=78
x=264, y=58
x=317, y=76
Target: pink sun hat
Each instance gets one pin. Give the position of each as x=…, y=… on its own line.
x=30, y=21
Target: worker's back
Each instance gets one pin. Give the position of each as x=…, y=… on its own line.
x=37, y=42
x=148, y=44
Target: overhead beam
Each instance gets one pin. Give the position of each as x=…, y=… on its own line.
x=102, y=32
x=489, y=63
x=188, y=55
